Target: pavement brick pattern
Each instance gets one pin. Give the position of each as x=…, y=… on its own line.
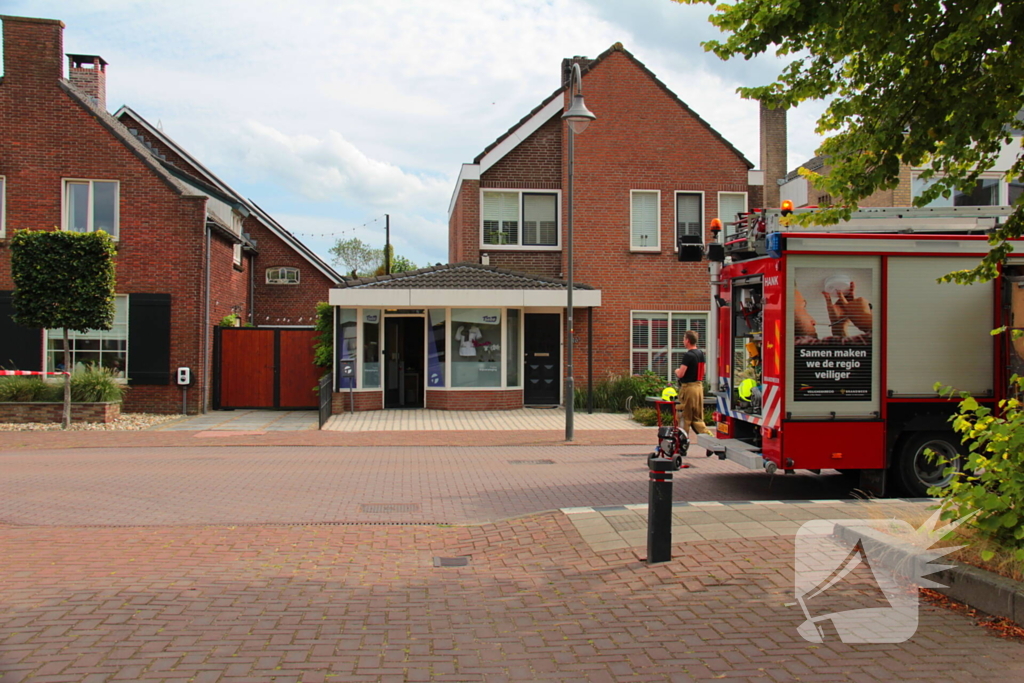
x=297, y=484
x=217, y=604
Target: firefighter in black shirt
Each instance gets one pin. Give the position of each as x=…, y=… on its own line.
x=691, y=386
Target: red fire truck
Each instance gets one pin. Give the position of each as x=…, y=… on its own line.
x=830, y=341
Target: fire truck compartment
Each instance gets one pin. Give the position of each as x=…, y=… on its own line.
x=836, y=445
x=732, y=449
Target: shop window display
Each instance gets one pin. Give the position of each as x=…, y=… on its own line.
x=476, y=347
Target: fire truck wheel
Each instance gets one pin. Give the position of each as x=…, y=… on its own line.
x=916, y=471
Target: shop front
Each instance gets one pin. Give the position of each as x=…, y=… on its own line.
x=494, y=343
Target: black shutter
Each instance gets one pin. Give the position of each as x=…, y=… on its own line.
x=21, y=348
x=149, y=339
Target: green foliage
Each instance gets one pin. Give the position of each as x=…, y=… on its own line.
x=903, y=81
x=230, y=320
x=50, y=293
x=28, y=390
x=612, y=393
x=323, y=342
x=992, y=483
x=362, y=260
x=94, y=384
x=649, y=417
x=88, y=385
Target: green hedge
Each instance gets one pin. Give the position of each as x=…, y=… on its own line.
x=88, y=385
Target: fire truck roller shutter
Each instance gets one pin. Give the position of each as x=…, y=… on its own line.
x=937, y=332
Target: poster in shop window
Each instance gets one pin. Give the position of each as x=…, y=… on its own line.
x=833, y=322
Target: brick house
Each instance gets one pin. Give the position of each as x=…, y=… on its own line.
x=190, y=250
x=646, y=171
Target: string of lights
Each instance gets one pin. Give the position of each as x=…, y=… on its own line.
x=336, y=233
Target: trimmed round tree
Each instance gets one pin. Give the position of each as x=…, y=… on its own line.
x=63, y=280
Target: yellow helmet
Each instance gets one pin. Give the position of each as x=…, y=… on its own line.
x=746, y=389
x=668, y=394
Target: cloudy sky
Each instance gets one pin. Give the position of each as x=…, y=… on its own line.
x=331, y=113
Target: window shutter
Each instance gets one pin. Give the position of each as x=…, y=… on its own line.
x=21, y=348
x=730, y=204
x=149, y=339
x=688, y=215
x=644, y=219
x=539, y=220
x=501, y=217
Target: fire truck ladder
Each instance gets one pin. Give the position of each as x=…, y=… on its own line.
x=747, y=236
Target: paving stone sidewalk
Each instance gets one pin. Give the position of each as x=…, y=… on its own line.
x=313, y=603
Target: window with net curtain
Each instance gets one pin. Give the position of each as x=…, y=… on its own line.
x=93, y=348
x=644, y=220
x=984, y=193
x=689, y=215
x=657, y=344
x=91, y=205
x=729, y=205
x=527, y=219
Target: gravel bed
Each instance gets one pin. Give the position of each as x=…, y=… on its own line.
x=127, y=422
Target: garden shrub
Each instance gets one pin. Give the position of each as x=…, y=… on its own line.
x=992, y=482
x=612, y=393
x=88, y=385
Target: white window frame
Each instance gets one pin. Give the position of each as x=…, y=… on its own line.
x=71, y=335
x=236, y=254
x=671, y=346
x=279, y=277
x=520, y=246
x=703, y=220
x=3, y=206
x=648, y=249
x=1004, y=186
x=732, y=217
x=65, y=219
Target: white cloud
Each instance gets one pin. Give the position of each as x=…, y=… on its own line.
x=332, y=168
x=371, y=106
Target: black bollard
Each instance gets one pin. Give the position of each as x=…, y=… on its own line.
x=659, y=510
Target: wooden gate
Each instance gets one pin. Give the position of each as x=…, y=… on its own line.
x=259, y=367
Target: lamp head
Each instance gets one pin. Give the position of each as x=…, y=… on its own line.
x=578, y=116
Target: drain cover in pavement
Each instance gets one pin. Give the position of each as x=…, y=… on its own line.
x=462, y=561
x=389, y=507
x=531, y=462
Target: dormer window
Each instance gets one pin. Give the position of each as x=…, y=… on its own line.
x=282, y=275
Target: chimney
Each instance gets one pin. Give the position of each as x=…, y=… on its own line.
x=33, y=49
x=88, y=73
x=567, y=63
x=773, y=152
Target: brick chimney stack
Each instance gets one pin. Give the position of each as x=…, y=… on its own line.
x=567, y=63
x=773, y=152
x=33, y=50
x=88, y=73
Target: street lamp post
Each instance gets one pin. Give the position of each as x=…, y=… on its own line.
x=578, y=117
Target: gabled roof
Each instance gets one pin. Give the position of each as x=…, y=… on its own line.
x=210, y=182
x=617, y=47
x=117, y=129
x=461, y=276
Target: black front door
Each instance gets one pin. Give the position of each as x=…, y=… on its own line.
x=543, y=367
x=403, y=362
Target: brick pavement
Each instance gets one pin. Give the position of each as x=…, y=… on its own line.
x=215, y=604
x=246, y=485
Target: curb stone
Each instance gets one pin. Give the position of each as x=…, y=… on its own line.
x=981, y=589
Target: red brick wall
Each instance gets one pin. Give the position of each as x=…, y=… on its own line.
x=475, y=400
x=45, y=136
x=364, y=400
x=229, y=284
x=22, y=413
x=642, y=140
x=284, y=304
x=536, y=162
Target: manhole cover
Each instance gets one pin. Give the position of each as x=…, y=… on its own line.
x=451, y=561
x=385, y=508
x=531, y=462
